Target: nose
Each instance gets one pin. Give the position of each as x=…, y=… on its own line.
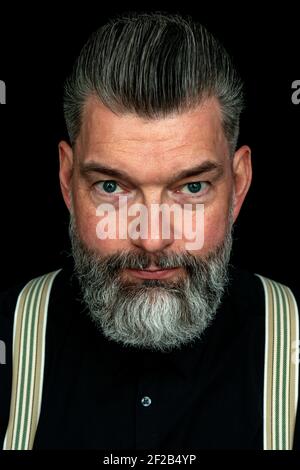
x=150, y=232
x=151, y=245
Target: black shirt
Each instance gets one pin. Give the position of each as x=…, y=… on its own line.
x=101, y=395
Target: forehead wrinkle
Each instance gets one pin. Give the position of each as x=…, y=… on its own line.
x=150, y=147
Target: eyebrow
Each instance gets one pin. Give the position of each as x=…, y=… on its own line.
x=208, y=166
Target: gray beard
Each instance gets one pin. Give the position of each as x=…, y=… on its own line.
x=154, y=314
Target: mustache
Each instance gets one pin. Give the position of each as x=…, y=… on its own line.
x=109, y=266
x=120, y=260
x=132, y=260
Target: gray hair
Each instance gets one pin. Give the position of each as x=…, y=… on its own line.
x=153, y=65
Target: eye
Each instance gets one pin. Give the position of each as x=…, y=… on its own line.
x=108, y=187
x=195, y=187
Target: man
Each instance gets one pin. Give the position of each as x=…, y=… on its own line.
x=148, y=338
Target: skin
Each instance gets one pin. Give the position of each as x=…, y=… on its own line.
x=152, y=152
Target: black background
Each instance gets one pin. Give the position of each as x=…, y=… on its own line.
x=37, y=48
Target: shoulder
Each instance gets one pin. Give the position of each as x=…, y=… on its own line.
x=246, y=293
x=8, y=301
x=249, y=290
x=9, y=297
x=280, y=296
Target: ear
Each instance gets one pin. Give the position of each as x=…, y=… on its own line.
x=242, y=176
x=66, y=161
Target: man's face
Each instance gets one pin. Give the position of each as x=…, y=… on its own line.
x=151, y=157
x=181, y=159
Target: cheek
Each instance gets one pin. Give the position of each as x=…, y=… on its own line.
x=87, y=223
x=214, y=231
x=216, y=219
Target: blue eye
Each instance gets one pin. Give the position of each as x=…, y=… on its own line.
x=109, y=186
x=195, y=187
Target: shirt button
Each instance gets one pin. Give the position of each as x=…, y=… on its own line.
x=146, y=401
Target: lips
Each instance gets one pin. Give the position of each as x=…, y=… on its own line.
x=153, y=273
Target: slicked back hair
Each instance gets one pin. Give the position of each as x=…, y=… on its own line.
x=154, y=65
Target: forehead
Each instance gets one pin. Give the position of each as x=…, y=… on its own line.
x=129, y=140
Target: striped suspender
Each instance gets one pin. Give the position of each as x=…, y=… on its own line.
x=281, y=366
x=29, y=337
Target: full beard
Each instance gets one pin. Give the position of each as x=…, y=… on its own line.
x=151, y=314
